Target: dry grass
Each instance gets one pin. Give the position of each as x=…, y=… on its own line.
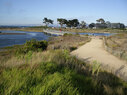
x=69, y=42
x=93, y=30
x=40, y=29
x=118, y=40
x=102, y=84
x=24, y=29
x=29, y=67
x=118, y=43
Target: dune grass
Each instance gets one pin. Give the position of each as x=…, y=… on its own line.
x=117, y=45
x=68, y=42
x=55, y=72
x=37, y=71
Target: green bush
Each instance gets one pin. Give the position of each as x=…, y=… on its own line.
x=67, y=34
x=32, y=45
x=73, y=48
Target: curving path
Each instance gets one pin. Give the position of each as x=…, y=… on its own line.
x=94, y=50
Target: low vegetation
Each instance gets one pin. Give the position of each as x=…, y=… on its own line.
x=93, y=30
x=68, y=41
x=30, y=29
x=17, y=50
x=32, y=45
x=83, y=30
x=117, y=45
x=42, y=71
x=58, y=73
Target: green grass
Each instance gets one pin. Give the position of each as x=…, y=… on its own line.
x=56, y=73
x=44, y=79
x=53, y=72
x=18, y=50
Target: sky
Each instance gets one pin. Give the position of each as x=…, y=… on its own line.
x=26, y=12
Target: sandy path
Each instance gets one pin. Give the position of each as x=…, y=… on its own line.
x=94, y=51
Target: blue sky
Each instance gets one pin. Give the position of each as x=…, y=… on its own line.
x=23, y=12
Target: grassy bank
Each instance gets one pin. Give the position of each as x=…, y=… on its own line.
x=94, y=30
x=35, y=69
x=58, y=73
x=40, y=29
x=117, y=45
x=68, y=42
x=29, y=29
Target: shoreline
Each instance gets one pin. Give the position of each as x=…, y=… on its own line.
x=40, y=29
x=12, y=33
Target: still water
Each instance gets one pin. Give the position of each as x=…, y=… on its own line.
x=9, y=40
x=17, y=39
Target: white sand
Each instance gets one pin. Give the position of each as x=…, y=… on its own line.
x=94, y=50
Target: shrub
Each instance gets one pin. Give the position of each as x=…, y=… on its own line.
x=67, y=34
x=32, y=45
x=73, y=48
x=87, y=35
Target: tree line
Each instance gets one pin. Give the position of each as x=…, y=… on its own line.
x=61, y=21
x=75, y=23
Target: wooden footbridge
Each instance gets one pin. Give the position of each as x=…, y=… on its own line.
x=55, y=32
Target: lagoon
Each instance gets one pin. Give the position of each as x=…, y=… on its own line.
x=9, y=38
x=97, y=34
x=18, y=39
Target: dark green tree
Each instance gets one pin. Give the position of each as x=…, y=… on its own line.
x=69, y=23
x=75, y=22
x=101, y=20
x=72, y=23
x=83, y=24
x=91, y=25
x=47, y=21
x=62, y=21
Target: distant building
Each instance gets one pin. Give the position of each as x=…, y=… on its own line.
x=100, y=25
x=117, y=25
x=108, y=25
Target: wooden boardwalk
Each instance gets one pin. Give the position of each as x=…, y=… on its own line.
x=55, y=32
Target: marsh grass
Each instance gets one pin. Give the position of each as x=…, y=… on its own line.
x=94, y=30
x=95, y=67
x=29, y=29
x=68, y=42
x=55, y=73
x=117, y=45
